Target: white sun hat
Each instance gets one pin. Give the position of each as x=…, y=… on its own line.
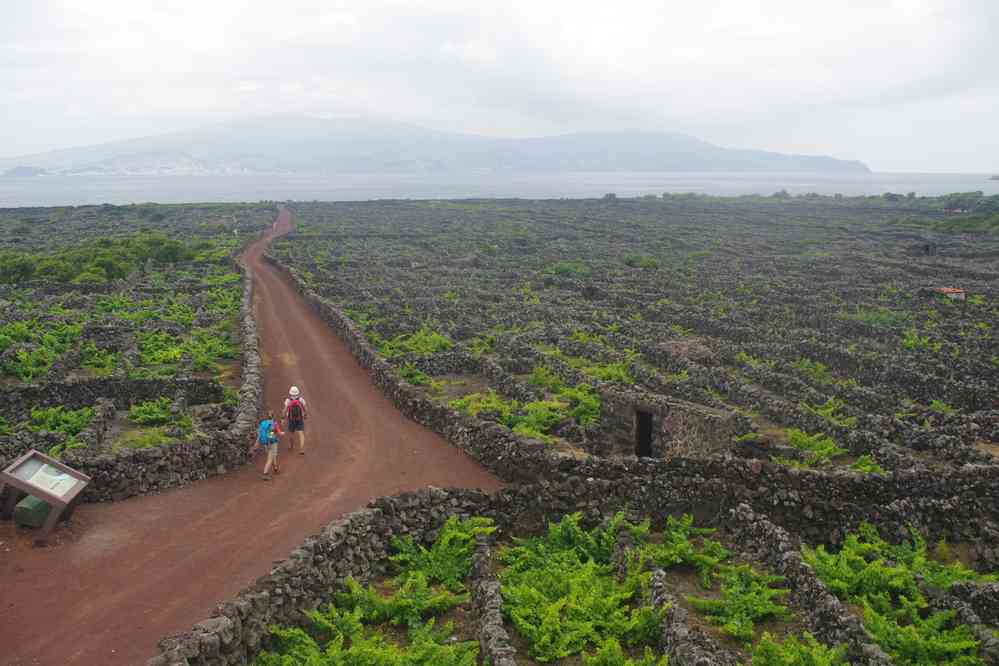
x=293, y=391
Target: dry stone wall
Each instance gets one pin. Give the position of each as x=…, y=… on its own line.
x=358, y=545
x=813, y=503
x=128, y=473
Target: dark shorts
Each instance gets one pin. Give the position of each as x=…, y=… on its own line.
x=296, y=426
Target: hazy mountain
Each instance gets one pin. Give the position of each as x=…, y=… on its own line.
x=295, y=144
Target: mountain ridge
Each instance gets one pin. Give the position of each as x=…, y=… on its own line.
x=317, y=146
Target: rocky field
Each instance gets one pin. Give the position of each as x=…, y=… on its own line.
x=121, y=330
x=802, y=331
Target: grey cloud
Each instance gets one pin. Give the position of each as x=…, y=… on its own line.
x=794, y=79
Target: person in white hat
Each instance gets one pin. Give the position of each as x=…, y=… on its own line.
x=295, y=413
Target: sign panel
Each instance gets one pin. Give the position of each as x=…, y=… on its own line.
x=47, y=479
x=53, y=480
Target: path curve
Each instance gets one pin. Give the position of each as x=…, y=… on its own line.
x=127, y=574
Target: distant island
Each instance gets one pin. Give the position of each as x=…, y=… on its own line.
x=307, y=145
x=22, y=171
x=994, y=178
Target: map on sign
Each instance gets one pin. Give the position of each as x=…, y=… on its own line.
x=52, y=480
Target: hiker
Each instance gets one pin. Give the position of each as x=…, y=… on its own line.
x=295, y=413
x=267, y=436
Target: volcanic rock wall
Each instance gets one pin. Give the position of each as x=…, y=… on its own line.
x=135, y=472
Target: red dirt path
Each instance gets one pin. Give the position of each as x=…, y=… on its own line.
x=124, y=575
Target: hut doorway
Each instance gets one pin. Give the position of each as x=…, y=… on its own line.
x=643, y=434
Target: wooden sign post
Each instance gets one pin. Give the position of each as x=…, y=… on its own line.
x=47, y=479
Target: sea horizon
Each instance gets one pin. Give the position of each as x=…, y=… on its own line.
x=60, y=190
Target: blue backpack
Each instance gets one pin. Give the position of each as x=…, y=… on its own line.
x=265, y=432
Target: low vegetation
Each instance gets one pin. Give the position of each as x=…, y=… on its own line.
x=884, y=581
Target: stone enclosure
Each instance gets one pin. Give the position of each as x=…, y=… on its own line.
x=709, y=355
x=177, y=331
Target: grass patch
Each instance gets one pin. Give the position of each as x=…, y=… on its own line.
x=143, y=438
x=875, y=317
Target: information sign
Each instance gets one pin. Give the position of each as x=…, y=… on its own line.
x=47, y=479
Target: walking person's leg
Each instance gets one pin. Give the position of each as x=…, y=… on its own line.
x=271, y=457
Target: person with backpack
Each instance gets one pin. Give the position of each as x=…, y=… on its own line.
x=267, y=436
x=295, y=413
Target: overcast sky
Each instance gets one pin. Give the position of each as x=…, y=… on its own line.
x=904, y=85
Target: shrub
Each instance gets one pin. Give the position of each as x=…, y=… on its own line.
x=225, y=301
x=542, y=415
x=941, y=407
x=746, y=597
x=339, y=637
x=489, y=403
x=207, y=346
x=570, y=268
x=640, y=261
x=534, y=419
x=751, y=361
x=151, y=412
x=567, y=534
x=579, y=335
x=60, y=419
x=449, y=558
x=16, y=331
x=866, y=464
x=100, y=361
x=44, y=346
x=423, y=342
x=29, y=364
x=482, y=344
x=562, y=596
x=609, y=372
x=414, y=375
x=682, y=376
x=16, y=267
x=545, y=378
x=158, y=348
x=912, y=340
x=584, y=403
x=793, y=652
x=530, y=432
x=882, y=578
x=221, y=279
x=875, y=317
x=678, y=548
x=412, y=602
x=230, y=396
x=814, y=370
x=611, y=654
x=830, y=411
x=97, y=260
x=179, y=312
x=819, y=448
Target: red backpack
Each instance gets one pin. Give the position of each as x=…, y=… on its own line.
x=295, y=410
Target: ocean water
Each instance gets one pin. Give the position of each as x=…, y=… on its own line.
x=82, y=190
